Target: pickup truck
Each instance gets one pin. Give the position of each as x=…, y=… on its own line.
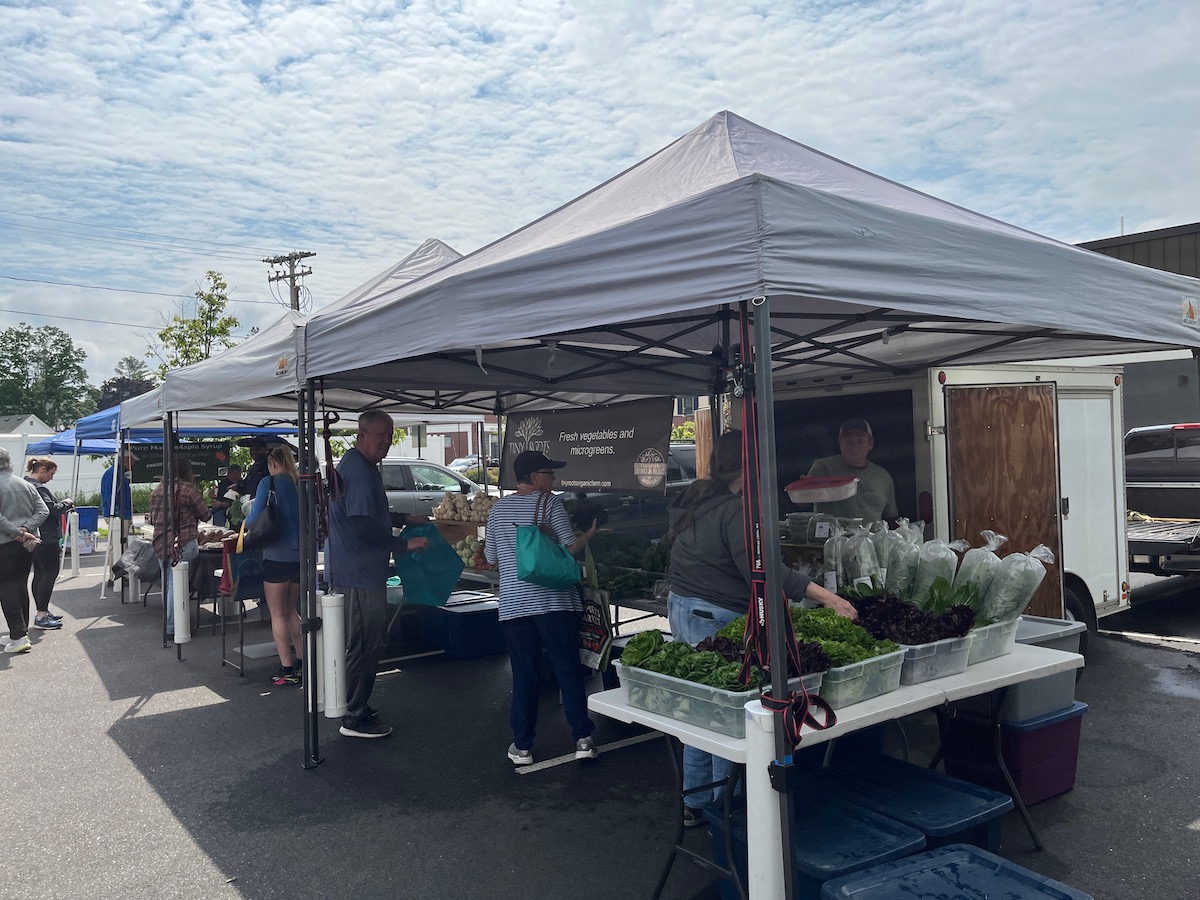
x=1162, y=491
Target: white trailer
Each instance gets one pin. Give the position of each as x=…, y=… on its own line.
x=1030, y=451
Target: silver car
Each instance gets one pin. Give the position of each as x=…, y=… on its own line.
x=416, y=486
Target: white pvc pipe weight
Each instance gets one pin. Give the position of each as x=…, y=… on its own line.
x=180, y=589
x=333, y=654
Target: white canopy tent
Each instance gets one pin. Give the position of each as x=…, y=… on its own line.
x=258, y=377
x=622, y=290
x=634, y=289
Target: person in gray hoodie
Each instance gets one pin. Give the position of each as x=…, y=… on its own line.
x=709, y=578
x=21, y=512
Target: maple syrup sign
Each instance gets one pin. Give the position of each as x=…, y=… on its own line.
x=606, y=448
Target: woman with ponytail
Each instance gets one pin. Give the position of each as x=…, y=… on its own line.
x=710, y=584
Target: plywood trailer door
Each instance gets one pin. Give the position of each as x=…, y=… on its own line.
x=1002, y=466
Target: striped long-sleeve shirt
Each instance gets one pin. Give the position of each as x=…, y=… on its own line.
x=519, y=598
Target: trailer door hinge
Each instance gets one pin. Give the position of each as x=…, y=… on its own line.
x=931, y=430
x=1065, y=505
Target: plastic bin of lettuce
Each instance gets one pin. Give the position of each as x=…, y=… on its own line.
x=846, y=685
x=992, y=640
x=689, y=701
x=925, y=662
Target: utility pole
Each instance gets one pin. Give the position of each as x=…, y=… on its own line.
x=290, y=275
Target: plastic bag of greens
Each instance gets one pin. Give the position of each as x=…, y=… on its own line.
x=859, y=559
x=884, y=539
x=979, y=564
x=821, y=527
x=902, y=557
x=1015, y=580
x=937, y=559
x=835, y=572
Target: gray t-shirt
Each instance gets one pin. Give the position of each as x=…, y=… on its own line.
x=876, y=497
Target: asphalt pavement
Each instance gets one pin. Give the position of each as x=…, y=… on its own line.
x=132, y=774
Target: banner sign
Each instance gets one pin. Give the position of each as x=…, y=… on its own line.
x=209, y=460
x=606, y=448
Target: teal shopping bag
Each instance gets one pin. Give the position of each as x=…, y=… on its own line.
x=540, y=558
x=429, y=577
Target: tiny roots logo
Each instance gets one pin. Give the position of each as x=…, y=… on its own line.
x=1190, y=316
x=525, y=433
x=282, y=365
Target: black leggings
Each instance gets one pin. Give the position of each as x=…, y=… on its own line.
x=15, y=562
x=46, y=563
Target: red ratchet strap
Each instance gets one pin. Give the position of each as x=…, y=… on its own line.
x=797, y=707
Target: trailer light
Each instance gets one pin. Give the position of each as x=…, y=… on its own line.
x=941, y=377
x=1117, y=380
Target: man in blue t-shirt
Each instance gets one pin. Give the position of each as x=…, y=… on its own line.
x=360, y=544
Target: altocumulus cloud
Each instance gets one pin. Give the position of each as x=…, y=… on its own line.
x=223, y=131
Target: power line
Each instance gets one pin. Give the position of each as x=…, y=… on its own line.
x=94, y=287
x=9, y=212
x=100, y=287
x=22, y=312
x=149, y=245
x=40, y=315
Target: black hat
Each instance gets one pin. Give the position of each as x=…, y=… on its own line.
x=856, y=425
x=531, y=461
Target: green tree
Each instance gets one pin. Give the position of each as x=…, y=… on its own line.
x=131, y=377
x=41, y=372
x=185, y=341
x=684, y=433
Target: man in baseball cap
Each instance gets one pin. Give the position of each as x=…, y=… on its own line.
x=876, y=497
x=530, y=461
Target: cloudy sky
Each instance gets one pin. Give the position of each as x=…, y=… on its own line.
x=145, y=142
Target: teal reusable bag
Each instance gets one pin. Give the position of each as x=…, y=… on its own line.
x=540, y=558
x=429, y=577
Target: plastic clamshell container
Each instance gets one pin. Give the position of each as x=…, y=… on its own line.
x=993, y=640
x=925, y=662
x=846, y=685
x=697, y=704
x=1057, y=634
x=946, y=810
x=956, y=870
x=822, y=488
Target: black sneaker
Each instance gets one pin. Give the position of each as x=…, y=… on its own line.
x=692, y=818
x=365, y=728
x=282, y=676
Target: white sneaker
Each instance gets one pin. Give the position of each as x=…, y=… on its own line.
x=585, y=748
x=22, y=645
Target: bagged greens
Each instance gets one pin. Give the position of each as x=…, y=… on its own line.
x=937, y=559
x=978, y=565
x=1015, y=580
x=859, y=559
x=834, y=552
x=902, y=560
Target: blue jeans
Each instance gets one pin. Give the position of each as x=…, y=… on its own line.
x=692, y=620
x=191, y=555
x=558, y=633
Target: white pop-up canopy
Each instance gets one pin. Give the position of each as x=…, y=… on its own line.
x=257, y=379
x=623, y=291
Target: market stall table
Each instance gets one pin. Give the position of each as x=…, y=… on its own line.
x=756, y=751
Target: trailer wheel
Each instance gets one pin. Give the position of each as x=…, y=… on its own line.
x=1073, y=605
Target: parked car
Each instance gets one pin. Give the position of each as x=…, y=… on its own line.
x=416, y=486
x=469, y=462
x=1162, y=470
